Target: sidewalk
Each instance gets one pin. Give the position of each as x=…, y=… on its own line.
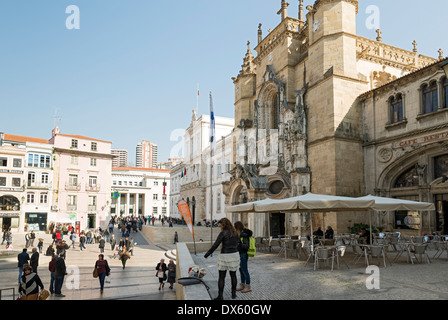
x=136, y=281
x=275, y=278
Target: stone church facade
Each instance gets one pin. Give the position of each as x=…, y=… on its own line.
x=301, y=94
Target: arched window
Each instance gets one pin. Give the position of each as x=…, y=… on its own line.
x=396, y=109
x=430, y=98
x=409, y=178
x=9, y=203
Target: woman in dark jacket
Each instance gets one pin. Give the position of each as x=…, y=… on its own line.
x=243, y=247
x=29, y=284
x=103, y=270
x=171, y=273
x=161, y=273
x=229, y=259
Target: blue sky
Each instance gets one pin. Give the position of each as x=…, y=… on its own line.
x=131, y=71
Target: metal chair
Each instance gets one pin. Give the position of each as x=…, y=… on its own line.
x=359, y=253
x=420, y=249
x=441, y=247
x=291, y=247
x=323, y=254
x=393, y=241
x=377, y=252
x=260, y=244
x=419, y=239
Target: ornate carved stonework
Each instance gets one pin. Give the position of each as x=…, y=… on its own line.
x=385, y=154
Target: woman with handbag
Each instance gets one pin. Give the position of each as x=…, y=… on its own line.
x=29, y=284
x=102, y=270
x=161, y=273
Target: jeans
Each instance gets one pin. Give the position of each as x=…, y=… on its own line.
x=89, y=240
x=20, y=273
x=81, y=245
x=245, y=277
x=102, y=277
x=52, y=282
x=59, y=281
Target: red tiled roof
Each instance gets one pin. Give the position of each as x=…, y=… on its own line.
x=12, y=137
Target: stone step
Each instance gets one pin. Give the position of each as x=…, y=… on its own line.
x=171, y=254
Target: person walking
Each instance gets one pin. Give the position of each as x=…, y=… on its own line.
x=30, y=284
x=60, y=273
x=4, y=235
x=101, y=245
x=171, y=273
x=52, y=269
x=131, y=246
x=40, y=244
x=176, y=237
x=61, y=248
x=82, y=241
x=243, y=246
x=229, y=258
x=124, y=256
x=161, y=273
x=89, y=237
x=23, y=259
x=103, y=270
x=113, y=242
x=27, y=240
x=73, y=238
x=32, y=237
x=34, y=261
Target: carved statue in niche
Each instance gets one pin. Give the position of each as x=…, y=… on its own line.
x=300, y=114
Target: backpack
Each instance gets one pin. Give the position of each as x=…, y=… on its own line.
x=252, y=249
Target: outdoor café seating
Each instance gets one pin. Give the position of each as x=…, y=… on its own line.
x=420, y=250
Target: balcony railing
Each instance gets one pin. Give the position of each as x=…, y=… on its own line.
x=91, y=208
x=38, y=185
x=93, y=188
x=72, y=207
x=72, y=187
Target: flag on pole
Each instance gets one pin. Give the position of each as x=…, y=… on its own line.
x=184, y=209
x=212, y=125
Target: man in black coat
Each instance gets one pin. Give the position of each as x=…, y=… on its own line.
x=22, y=259
x=34, y=260
x=60, y=271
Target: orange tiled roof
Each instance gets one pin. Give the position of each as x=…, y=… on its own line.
x=81, y=137
x=142, y=169
x=12, y=137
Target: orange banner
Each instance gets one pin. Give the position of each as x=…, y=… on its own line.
x=186, y=213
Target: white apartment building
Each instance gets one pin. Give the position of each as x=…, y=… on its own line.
x=195, y=172
x=140, y=192
x=146, y=155
x=27, y=177
x=121, y=158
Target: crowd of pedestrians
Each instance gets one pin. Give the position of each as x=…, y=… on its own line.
x=123, y=249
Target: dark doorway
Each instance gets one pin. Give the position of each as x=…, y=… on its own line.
x=442, y=213
x=277, y=224
x=6, y=223
x=91, y=221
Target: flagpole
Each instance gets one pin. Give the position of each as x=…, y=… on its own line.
x=211, y=166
